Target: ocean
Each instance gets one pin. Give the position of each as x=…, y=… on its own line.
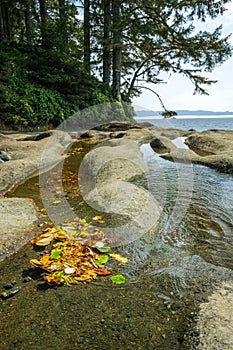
x=193, y=122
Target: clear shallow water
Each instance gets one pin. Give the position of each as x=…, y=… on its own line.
x=170, y=270
x=198, y=124
x=195, y=227
x=196, y=224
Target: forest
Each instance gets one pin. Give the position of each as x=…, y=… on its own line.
x=58, y=57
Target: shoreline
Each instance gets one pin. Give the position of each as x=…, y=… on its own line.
x=79, y=314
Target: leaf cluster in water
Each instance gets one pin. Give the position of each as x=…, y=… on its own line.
x=70, y=260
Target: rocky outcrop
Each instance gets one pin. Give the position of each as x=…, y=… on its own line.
x=215, y=320
x=211, y=142
x=26, y=156
x=18, y=224
x=108, y=176
x=212, y=148
x=18, y=216
x=36, y=136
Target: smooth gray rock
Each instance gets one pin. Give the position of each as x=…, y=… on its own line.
x=215, y=320
x=108, y=177
x=18, y=218
x=4, y=156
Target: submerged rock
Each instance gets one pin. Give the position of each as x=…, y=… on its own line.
x=9, y=292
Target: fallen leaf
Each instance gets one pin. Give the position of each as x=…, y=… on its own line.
x=69, y=270
x=119, y=258
x=71, y=261
x=55, y=254
x=118, y=279
x=97, y=217
x=57, y=245
x=102, y=260
x=43, y=239
x=102, y=272
x=99, y=245
x=103, y=249
x=57, y=201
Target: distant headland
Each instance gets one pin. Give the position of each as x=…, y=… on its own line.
x=146, y=113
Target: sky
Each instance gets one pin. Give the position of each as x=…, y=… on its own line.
x=177, y=93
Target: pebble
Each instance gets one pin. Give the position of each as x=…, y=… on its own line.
x=10, y=291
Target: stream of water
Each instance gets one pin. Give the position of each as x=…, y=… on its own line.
x=169, y=271
x=196, y=219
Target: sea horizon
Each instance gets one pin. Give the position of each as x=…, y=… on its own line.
x=206, y=116
x=199, y=123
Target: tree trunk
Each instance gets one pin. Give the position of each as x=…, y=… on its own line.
x=87, y=36
x=63, y=25
x=2, y=31
x=116, y=61
x=28, y=23
x=106, y=42
x=5, y=23
x=43, y=23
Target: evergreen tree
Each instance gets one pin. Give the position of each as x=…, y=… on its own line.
x=122, y=43
x=161, y=37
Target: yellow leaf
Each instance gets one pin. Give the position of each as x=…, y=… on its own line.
x=43, y=239
x=57, y=201
x=35, y=262
x=119, y=258
x=42, y=263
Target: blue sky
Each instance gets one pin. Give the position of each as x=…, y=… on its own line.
x=178, y=92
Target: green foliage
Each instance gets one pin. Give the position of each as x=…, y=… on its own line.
x=168, y=114
x=42, y=76
x=40, y=89
x=29, y=105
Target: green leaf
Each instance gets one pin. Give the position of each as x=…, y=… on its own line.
x=102, y=260
x=118, y=279
x=103, y=249
x=57, y=201
x=57, y=245
x=55, y=254
x=82, y=221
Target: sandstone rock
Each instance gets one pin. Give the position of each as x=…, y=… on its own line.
x=162, y=144
x=18, y=218
x=36, y=137
x=117, y=126
x=107, y=180
x=28, y=157
x=213, y=148
x=216, y=319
